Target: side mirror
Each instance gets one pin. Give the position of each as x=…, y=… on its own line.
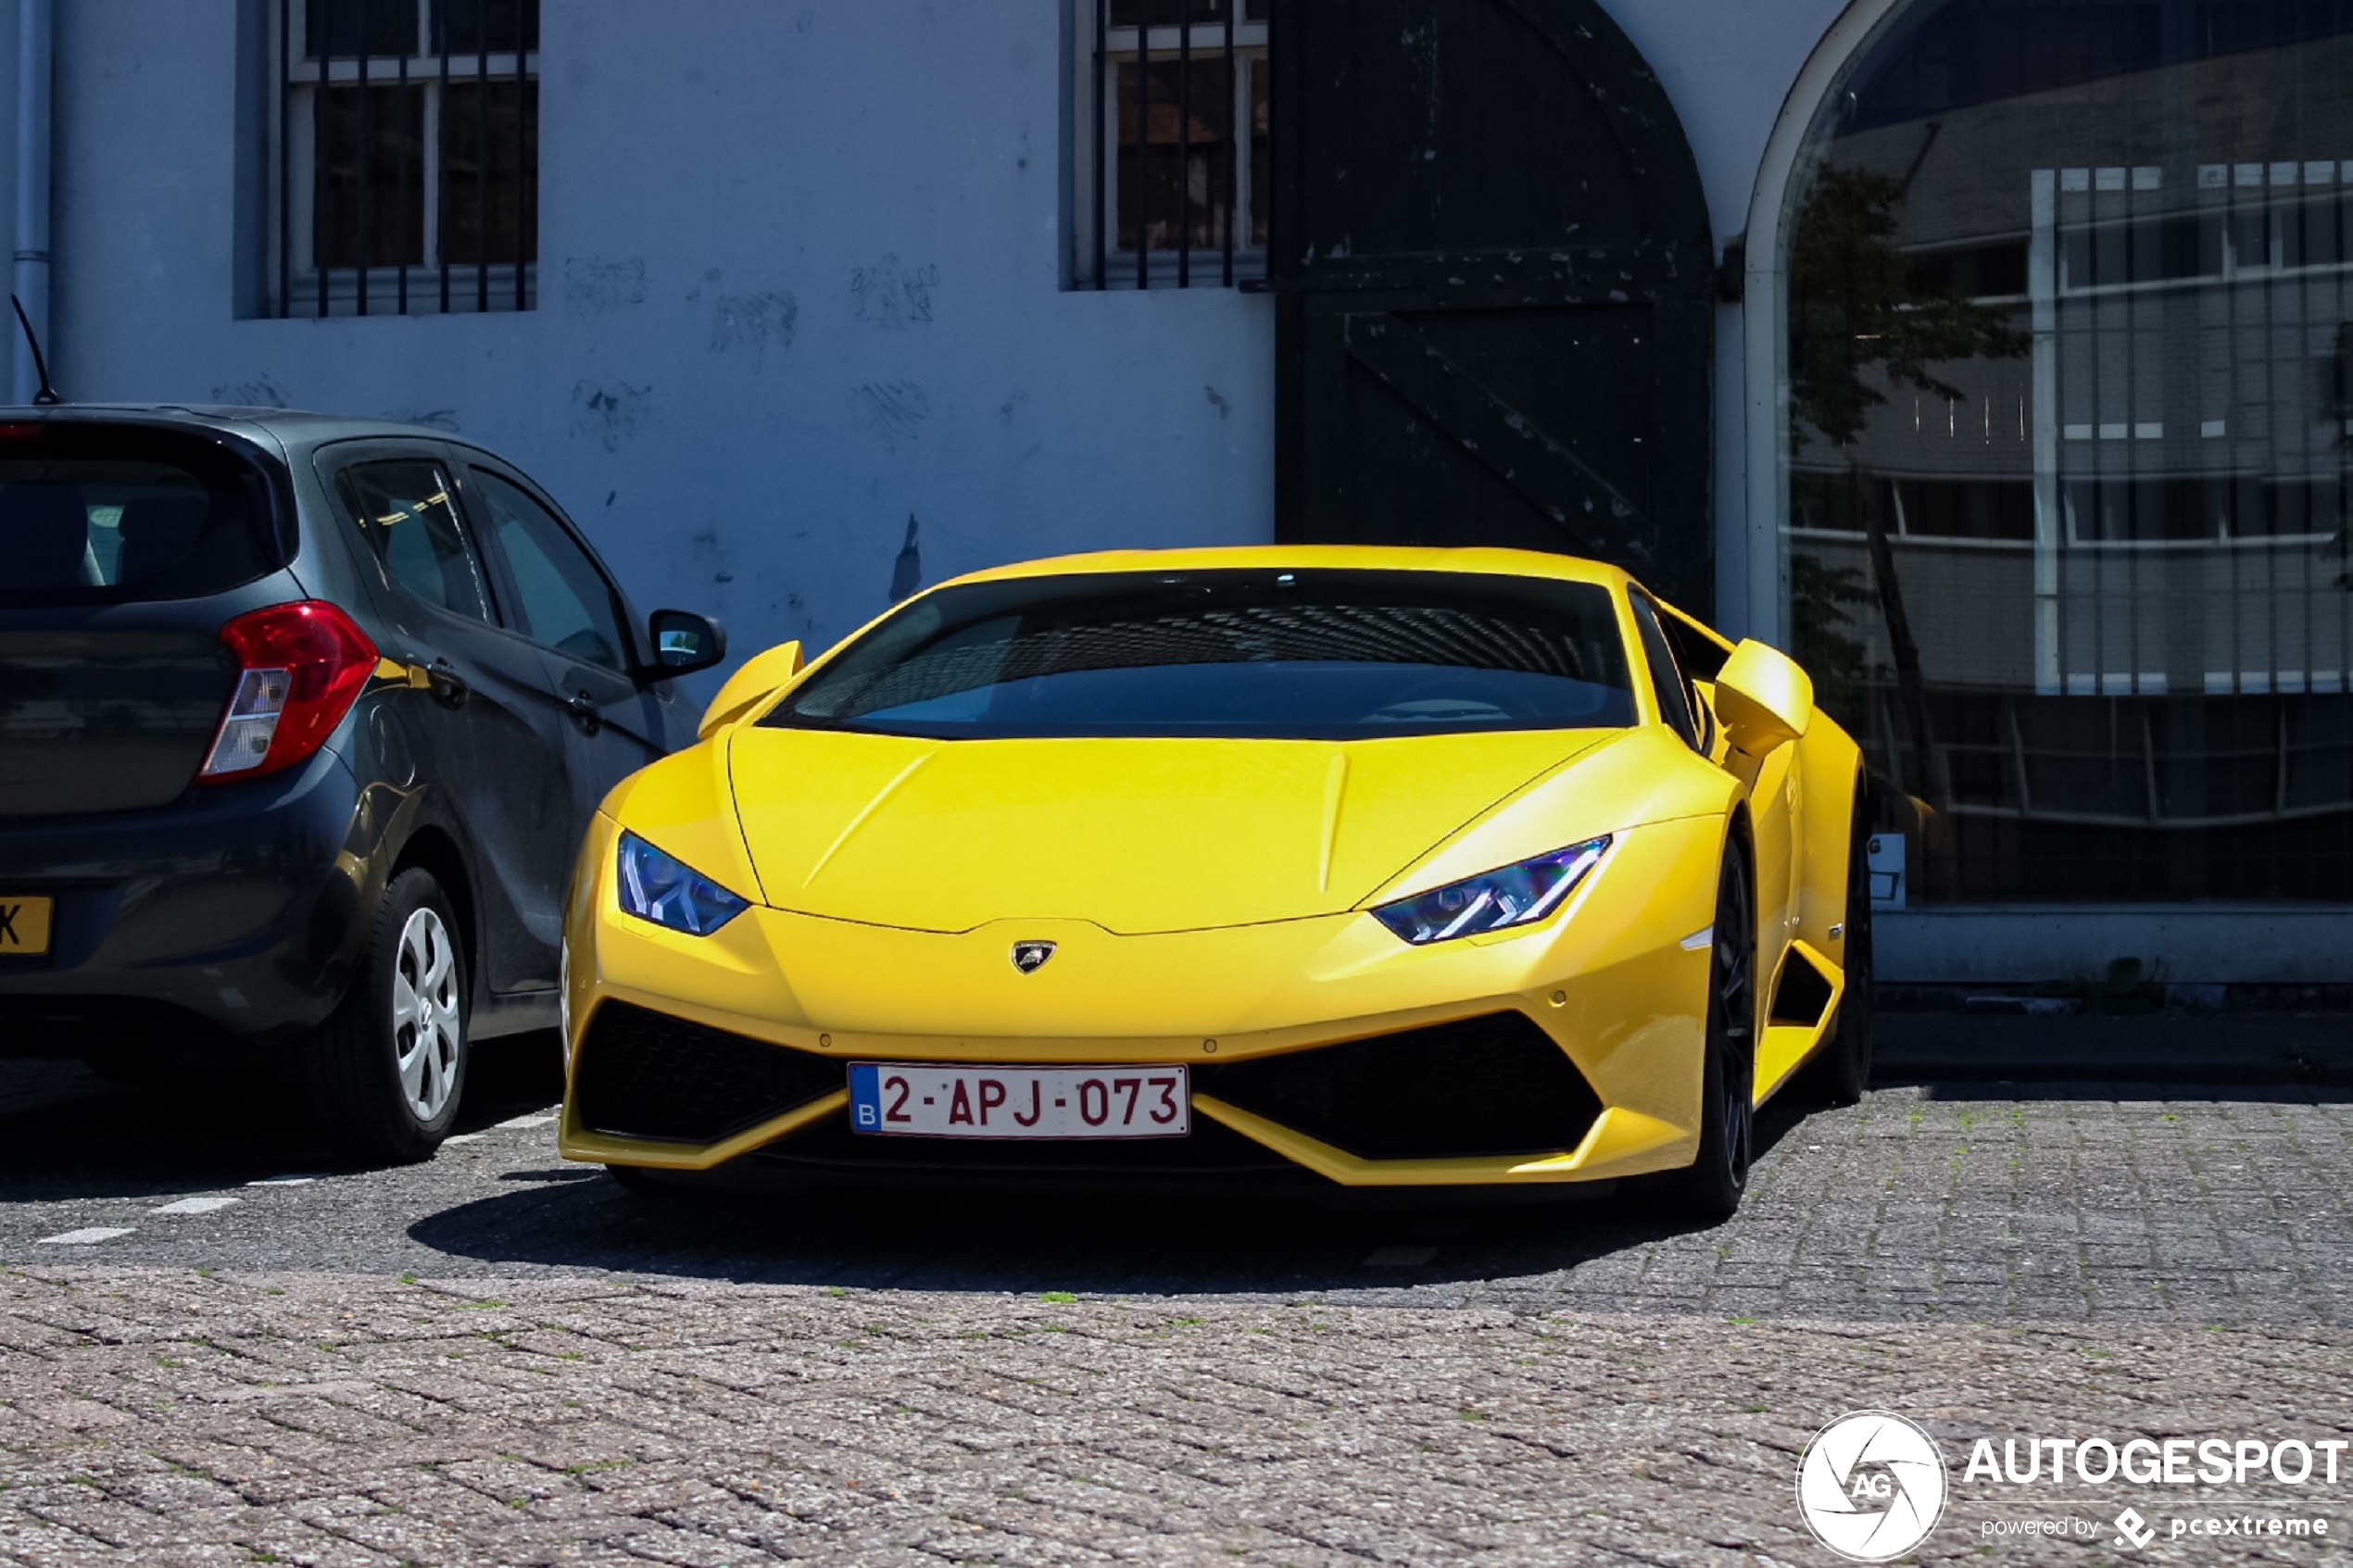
x=1763, y=698
x=684, y=642
x=758, y=680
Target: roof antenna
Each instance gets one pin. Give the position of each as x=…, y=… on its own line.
x=47, y=397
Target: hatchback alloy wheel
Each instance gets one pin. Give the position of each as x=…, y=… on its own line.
x=427, y=1027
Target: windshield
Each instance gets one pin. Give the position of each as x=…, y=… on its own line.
x=1305, y=655
x=102, y=514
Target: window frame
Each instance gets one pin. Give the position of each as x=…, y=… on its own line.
x=1100, y=49
x=470, y=461
x=430, y=286
x=345, y=458
x=1693, y=731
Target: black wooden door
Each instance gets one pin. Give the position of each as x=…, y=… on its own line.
x=1497, y=281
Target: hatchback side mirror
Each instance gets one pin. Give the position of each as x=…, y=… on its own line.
x=1763, y=698
x=684, y=642
x=759, y=679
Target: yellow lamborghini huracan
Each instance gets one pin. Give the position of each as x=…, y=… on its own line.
x=1375, y=867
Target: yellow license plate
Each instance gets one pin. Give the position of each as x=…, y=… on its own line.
x=24, y=925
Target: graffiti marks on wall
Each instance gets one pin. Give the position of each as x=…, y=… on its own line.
x=894, y=411
x=611, y=414
x=893, y=294
x=711, y=558
x=259, y=393
x=756, y=321
x=597, y=285
x=907, y=568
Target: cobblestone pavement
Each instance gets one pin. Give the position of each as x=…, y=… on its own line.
x=214, y=1350
x=163, y=1417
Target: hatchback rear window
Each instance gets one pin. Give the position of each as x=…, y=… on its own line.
x=104, y=514
x=1323, y=655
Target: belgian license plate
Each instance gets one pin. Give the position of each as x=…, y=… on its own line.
x=24, y=925
x=940, y=1101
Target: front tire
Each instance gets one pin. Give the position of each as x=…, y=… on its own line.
x=1711, y=1188
x=387, y=1069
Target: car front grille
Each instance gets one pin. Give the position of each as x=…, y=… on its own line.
x=1489, y=1086
x=644, y=1074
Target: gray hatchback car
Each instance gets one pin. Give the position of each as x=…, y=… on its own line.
x=301, y=721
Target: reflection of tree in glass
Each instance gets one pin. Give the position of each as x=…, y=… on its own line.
x=1834, y=659
x=1855, y=307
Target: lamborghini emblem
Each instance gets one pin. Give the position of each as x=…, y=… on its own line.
x=1029, y=956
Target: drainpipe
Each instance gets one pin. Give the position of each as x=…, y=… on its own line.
x=35, y=49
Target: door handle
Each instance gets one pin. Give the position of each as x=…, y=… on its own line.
x=449, y=688
x=583, y=708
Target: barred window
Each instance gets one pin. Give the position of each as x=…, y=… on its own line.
x=405, y=162
x=1173, y=181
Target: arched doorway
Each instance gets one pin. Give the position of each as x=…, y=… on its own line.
x=2061, y=496
x=1496, y=280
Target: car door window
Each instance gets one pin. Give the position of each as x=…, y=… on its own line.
x=567, y=604
x=403, y=507
x=1675, y=703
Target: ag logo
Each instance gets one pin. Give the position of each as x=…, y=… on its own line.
x=1871, y=1486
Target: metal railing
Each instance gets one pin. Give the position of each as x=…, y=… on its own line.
x=1135, y=127
x=382, y=107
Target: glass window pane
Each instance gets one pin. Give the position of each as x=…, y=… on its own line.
x=490, y=205
x=1177, y=13
x=567, y=604
x=1177, y=184
x=1666, y=682
x=2068, y=529
x=469, y=27
x=404, y=508
x=104, y=515
x=344, y=29
x=370, y=201
x=1336, y=655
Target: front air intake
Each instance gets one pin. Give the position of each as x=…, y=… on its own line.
x=645, y=1075
x=1481, y=1086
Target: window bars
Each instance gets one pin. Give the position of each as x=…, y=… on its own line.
x=1178, y=162
x=407, y=143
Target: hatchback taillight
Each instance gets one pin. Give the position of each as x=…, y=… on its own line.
x=300, y=669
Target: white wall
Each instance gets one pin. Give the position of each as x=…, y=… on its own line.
x=727, y=166
x=731, y=164
x=1727, y=69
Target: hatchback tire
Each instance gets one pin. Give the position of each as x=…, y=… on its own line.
x=386, y=1071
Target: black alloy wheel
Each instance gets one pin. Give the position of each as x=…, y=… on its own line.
x=1711, y=1187
x=1841, y=1070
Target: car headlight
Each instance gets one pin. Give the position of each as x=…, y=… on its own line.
x=656, y=888
x=1492, y=901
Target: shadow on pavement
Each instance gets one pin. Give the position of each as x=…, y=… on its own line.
x=219, y=1115
x=1281, y=1241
